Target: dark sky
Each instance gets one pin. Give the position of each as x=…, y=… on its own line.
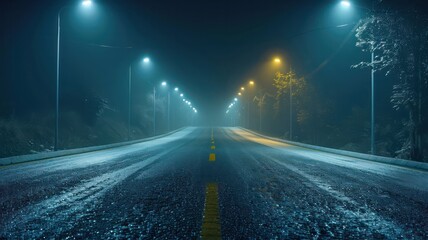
x=208, y=48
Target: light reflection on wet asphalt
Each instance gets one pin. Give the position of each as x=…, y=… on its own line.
x=264, y=189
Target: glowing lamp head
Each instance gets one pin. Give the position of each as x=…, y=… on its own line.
x=251, y=82
x=181, y=95
x=239, y=94
x=176, y=89
x=87, y=3
x=146, y=60
x=277, y=60
x=242, y=88
x=163, y=84
x=235, y=99
x=346, y=4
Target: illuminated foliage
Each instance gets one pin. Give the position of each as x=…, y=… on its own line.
x=400, y=44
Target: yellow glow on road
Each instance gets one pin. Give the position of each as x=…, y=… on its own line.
x=255, y=138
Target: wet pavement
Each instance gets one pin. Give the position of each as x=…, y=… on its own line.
x=171, y=188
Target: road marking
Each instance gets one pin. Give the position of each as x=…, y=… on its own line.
x=212, y=157
x=212, y=147
x=211, y=223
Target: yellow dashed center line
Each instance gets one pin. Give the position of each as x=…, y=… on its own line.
x=212, y=155
x=211, y=222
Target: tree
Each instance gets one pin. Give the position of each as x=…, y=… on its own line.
x=400, y=43
x=288, y=88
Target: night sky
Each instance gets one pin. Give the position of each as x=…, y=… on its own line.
x=207, y=48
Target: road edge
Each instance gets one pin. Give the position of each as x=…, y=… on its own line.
x=386, y=160
x=62, y=153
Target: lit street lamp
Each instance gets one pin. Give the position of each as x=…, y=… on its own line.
x=146, y=61
x=251, y=84
x=85, y=4
x=277, y=61
x=347, y=4
x=164, y=84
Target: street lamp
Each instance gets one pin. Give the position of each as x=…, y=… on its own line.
x=85, y=4
x=278, y=61
x=164, y=84
x=251, y=87
x=347, y=4
x=145, y=61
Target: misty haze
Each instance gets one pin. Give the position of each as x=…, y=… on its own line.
x=214, y=119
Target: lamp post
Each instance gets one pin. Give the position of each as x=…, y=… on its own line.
x=129, y=101
x=169, y=114
x=174, y=113
x=86, y=4
x=154, y=110
x=347, y=4
x=260, y=114
x=277, y=61
x=165, y=84
x=145, y=61
x=251, y=87
x=291, y=105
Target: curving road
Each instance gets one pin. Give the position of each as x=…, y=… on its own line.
x=212, y=183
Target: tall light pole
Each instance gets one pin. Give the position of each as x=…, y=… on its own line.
x=145, y=61
x=260, y=112
x=164, y=84
x=129, y=101
x=174, y=114
x=251, y=84
x=168, y=114
x=154, y=110
x=347, y=4
x=86, y=4
x=291, y=105
x=277, y=61
x=372, y=131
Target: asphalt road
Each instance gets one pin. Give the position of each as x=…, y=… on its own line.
x=221, y=182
